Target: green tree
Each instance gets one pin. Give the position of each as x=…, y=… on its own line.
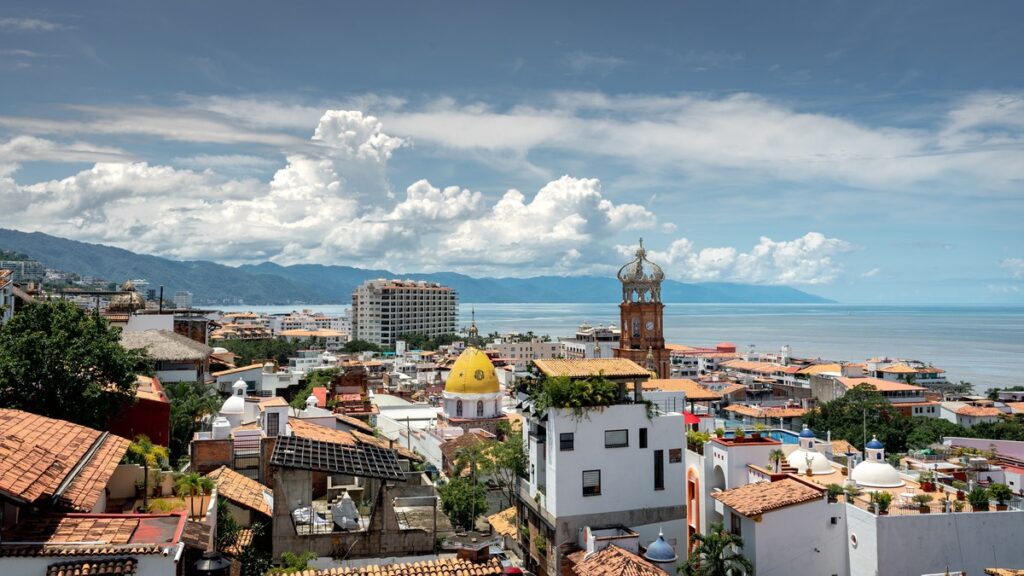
x=59, y=361
x=190, y=402
x=928, y=431
x=291, y=563
x=508, y=462
x=265, y=349
x=354, y=346
x=255, y=558
x=316, y=378
x=862, y=409
x=717, y=553
x=227, y=526
x=143, y=451
x=462, y=501
x=776, y=457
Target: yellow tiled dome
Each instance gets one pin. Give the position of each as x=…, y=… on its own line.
x=472, y=373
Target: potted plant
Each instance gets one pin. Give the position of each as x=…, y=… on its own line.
x=927, y=480
x=740, y=434
x=833, y=490
x=758, y=429
x=852, y=491
x=881, y=500
x=198, y=488
x=960, y=487
x=978, y=499
x=1001, y=493
x=922, y=502
x=958, y=505
x=719, y=432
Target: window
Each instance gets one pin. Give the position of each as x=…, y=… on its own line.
x=479, y=408
x=675, y=455
x=616, y=438
x=591, y=482
x=659, y=469
x=458, y=408
x=273, y=423
x=735, y=524
x=643, y=437
x=566, y=442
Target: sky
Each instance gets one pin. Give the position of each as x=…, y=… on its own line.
x=866, y=152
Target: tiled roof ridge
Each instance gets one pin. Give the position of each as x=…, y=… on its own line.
x=84, y=549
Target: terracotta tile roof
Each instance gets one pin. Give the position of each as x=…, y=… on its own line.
x=766, y=411
x=880, y=384
x=238, y=370
x=1016, y=407
x=94, y=534
x=38, y=453
x=5, y=277
x=243, y=491
x=693, y=391
x=1004, y=572
x=819, y=368
x=843, y=447
x=149, y=388
x=273, y=401
x=354, y=422
x=978, y=411
x=612, y=561
x=439, y=567
x=112, y=567
x=504, y=522
x=311, y=431
x=761, y=497
x=242, y=541
x=592, y=367
x=759, y=367
x=450, y=448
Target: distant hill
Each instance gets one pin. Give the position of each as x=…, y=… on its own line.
x=269, y=283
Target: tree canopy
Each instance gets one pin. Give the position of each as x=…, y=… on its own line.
x=59, y=361
x=250, y=350
x=717, y=553
x=190, y=402
x=462, y=500
x=863, y=412
x=353, y=346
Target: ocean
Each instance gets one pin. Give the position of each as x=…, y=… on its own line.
x=983, y=345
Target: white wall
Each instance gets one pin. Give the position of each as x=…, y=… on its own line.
x=970, y=542
x=797, y=540
x=148, y=564
x=627, y=474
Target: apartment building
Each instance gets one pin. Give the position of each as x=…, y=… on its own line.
x=384, y=310
x=6, y=295
x=521, y=353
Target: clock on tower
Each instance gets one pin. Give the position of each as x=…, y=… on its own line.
x=641, y=313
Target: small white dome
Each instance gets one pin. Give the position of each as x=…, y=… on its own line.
x=233, y=405
x=801, y=458
x=311, y=402
x=239, y=388
x=876, y=475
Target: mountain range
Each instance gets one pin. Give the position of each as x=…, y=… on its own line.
x=269, y=283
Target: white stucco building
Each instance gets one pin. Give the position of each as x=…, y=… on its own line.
x=385, y=310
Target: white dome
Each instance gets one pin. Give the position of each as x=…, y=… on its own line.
x=311, y=401
x=233, y=405
x=876, y=475
x=236, y=403
x=818, y=462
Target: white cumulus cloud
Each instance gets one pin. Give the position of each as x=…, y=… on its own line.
x=1015, y=266
x=804, y=260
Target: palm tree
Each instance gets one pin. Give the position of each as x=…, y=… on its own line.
x=144, y=452
x=716, y=553
x=776, y=457
x=192, y=484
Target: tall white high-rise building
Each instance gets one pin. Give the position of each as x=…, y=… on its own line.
x=384, y=310
x=182, y=299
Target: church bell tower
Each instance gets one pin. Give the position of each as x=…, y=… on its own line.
x=641, y=312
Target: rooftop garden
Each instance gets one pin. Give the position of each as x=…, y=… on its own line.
x=576, y=395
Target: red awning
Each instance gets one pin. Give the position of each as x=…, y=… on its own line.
x=689, y=418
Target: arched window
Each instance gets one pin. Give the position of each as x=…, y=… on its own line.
x=497, y=407
x=458, y=408
x=479, y=408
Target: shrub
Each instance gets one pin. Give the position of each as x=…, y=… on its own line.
x=834, y=490
x=978, y=498
x=882, y=499
x=1000, y=493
